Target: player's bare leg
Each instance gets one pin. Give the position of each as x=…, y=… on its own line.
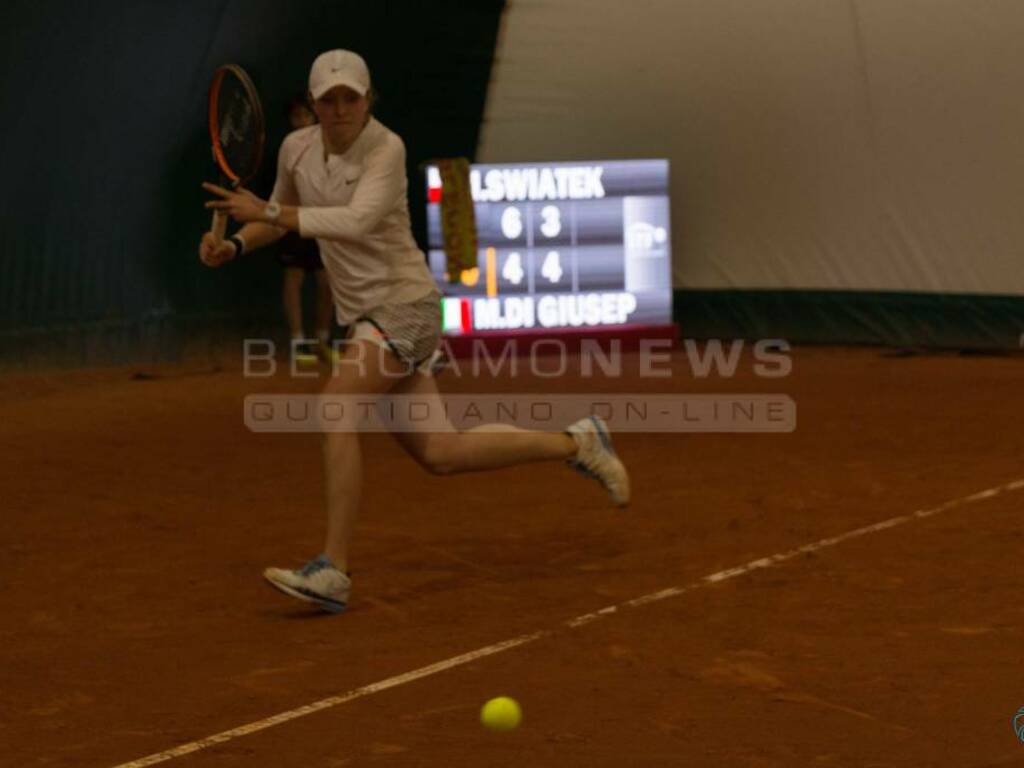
x=365, y=369
x=368, y=369
x=490, y=446
x=586, y=444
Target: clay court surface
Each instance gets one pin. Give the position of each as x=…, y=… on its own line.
x=139, y=514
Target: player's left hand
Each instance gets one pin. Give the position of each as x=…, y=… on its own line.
x=240, y=204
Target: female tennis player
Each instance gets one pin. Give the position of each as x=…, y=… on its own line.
x=344, y=183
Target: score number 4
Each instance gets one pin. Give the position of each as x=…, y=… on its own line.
x=513, y=271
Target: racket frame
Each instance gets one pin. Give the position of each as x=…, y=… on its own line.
x=229, y=176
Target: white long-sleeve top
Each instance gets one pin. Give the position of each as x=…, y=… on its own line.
x=356, y=205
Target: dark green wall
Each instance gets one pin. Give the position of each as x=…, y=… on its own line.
x=888, y=318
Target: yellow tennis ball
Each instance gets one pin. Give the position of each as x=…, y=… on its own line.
x=501, y=714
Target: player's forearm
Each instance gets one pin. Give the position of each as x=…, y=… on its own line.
x=289, y=218
x=346, y=222
x=257, y=234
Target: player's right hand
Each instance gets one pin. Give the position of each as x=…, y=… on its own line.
x=212, y=253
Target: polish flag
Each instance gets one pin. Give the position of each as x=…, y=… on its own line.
x=433, y=185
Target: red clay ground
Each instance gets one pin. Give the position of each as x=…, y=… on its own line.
x=137, y=516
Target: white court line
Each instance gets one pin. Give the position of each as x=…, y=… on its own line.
x=457, y=661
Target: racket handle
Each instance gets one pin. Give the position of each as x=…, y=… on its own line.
x=219, y=226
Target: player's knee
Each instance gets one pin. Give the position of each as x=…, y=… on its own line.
x=438, y=456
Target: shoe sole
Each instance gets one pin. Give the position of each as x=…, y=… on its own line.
x=620, y=503
x=606, y=441
x=331, y=606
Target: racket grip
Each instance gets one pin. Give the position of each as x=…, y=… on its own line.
x=219, y=226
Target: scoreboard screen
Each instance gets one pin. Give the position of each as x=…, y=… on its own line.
x=562, y=246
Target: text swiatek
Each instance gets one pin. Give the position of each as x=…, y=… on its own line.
x=537, y=183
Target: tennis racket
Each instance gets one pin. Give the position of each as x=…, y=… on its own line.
x=236, y=132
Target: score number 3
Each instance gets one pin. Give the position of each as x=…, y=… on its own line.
x=551, y=221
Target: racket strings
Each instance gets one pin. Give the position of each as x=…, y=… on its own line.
x=238, y=130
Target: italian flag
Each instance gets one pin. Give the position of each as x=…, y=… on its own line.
x=456, y=314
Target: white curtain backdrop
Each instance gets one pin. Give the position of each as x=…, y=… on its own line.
x=815, y=144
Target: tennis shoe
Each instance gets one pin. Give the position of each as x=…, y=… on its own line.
x=317, y=582
x=595, y=458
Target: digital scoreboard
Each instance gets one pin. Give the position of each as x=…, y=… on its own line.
x=562, y=246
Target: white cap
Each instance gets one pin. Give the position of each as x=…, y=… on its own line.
x=338, y=67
